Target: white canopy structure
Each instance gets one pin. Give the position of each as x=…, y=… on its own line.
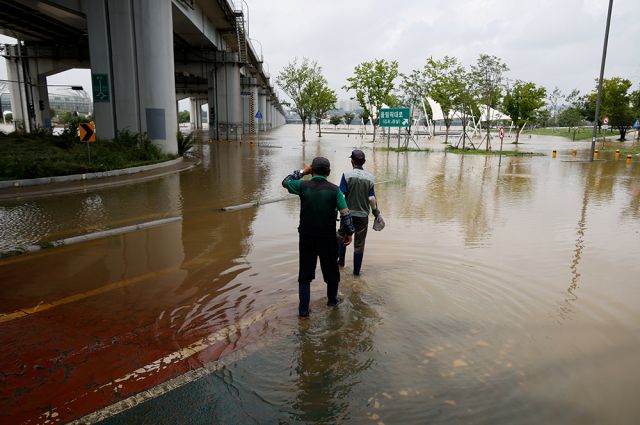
x=494, y=114
x=436, y=110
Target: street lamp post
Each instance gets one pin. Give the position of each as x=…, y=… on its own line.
x=599, y=96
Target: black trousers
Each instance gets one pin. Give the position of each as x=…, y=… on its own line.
x=311, y=248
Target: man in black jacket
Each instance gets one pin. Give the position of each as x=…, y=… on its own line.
x=320, y=203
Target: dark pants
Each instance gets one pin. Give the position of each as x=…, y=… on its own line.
x=359, y=237
x=310, y=248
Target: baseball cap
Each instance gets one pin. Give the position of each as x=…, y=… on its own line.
x=320, y=163
x=357, y=154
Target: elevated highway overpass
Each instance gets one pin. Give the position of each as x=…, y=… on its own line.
x=144, y=56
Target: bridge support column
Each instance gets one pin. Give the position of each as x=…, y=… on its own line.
x=225, y=113
x=195, y=113
x=262, y=107
x=132, y=66
x=267, y=113
x=255, y=98
x=18, y=88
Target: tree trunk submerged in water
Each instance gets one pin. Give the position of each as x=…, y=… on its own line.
x=303, y=129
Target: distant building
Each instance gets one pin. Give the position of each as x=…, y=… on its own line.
x=64, y=99
x=348, y=105
x=61, y=99
x=5, y=98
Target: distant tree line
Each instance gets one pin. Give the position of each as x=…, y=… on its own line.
x=463, y=93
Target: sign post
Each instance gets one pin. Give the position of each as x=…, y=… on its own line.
x=100, y=86
x=87, y=135
x=501, y=139
x=394, y=117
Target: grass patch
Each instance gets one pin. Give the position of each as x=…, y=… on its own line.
x=390, y=149
x=470, y=151
x=572, y=134
x=41, y=154
x=629, y=150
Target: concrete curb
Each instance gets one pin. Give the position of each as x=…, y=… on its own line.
x=87, y=237
x=87, y=176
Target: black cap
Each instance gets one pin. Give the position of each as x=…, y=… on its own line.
x=320, y=163
x=357, y=154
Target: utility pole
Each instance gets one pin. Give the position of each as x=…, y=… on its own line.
x=599, y=97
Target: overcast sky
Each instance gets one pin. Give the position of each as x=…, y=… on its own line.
x=550, y=42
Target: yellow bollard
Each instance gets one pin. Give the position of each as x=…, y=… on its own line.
x=629, y=160
x=574, y=152
x=617, y=153
x=595, y=154
x=553, y=153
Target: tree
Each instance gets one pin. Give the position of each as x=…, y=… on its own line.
x=8, y=117
x=373, y=84
x=487, y=78
x=323, y=99
x=616, y=104
x=522, y=102
x=294, y=80
x=335, y=120
x=348, y=118
x=569, y=117
x=184, y=116
x=635, y=109
x=553, y=100
x=445, y=82
x=366, y=117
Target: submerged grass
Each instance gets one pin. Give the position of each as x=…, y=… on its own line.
x=581, y=133
x=41, y=154
x=470, y=151
x=390, y=149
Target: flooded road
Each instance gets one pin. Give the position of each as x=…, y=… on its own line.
x=493, y=296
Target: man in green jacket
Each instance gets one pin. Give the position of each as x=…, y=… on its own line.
x=320, y=203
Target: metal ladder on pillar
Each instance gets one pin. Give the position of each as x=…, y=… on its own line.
x=242, y=37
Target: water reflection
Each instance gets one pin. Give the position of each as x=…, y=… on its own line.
x=333, y=354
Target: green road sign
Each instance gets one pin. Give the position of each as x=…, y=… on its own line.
x=394, y=117
x=100, y=84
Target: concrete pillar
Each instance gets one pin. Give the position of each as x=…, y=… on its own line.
x=225, y=113
x=262, y=103
x=267, y=113
x=193, y=121
x=19, y=102
x=131, y=49
x=41, y=103
x=255, y=98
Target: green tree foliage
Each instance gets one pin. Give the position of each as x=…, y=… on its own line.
x=373, y=83
x=570, y=117
x=522, y=102
x=487, y=82
x=323, y=99
x=446, y=83
x=348, y=118
x=184, y=116
x=8, y=117
x=295, y=81
x=335, y=120
x=487, y=77
x=616, y=104
x=365, y=116
x=554, y=99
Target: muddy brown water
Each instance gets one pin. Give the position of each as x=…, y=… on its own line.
x=493, y=296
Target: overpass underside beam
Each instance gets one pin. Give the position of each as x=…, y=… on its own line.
x=132, y=66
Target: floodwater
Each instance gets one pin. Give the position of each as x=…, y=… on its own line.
x=495, y=295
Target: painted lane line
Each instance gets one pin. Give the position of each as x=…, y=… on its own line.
x=142, y=373
x=23, y=312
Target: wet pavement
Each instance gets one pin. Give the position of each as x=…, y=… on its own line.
x=494, y=295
